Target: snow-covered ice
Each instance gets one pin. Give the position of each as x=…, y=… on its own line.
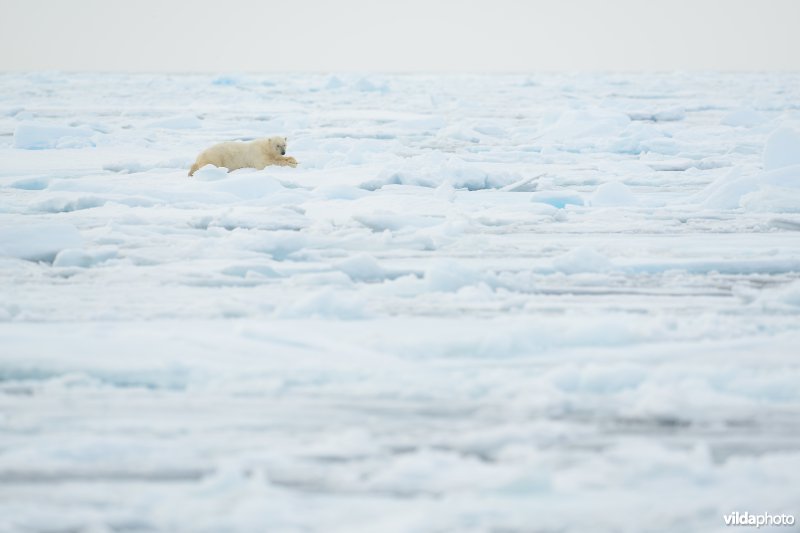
x=480, y=303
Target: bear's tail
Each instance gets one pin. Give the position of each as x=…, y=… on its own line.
x=194, y=169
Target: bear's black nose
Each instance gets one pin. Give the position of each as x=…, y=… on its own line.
x=283, y=152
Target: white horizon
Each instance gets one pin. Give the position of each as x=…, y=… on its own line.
x=504, y=36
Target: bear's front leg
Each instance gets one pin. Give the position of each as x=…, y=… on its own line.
x=289, y=161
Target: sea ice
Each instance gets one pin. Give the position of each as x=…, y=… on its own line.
x=566, y=302
x=35, y=136
x=743, y=117
x=782, y=149
x=38, y=242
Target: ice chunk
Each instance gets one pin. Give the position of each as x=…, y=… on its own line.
x=664, y=115
x=781, y=296
x=76, y=257
x=743, y=117
x=32, y=136
x=128, y=167
x=185, y=122
x=790, y=294
x=446, y=275
x=492, y=130
x=279, y=244
x=227, y=80
x=38, y=242
x=72, y=257
x=613, y=193
x=362, y=267
x=334, y=83
x=559, y=199
x=432, y=170
x=582, y=259
x=339, y=192
x=365, y=85
x=254, y=270
x=421, y=123
x=575, y=124
x=211, y=173
x=782, y=149
x=640, y=137
x=725, y=191
x=386, y=220
x=326, y=303
x=247, y=184
x=772, y=200
x=767, y=191
x=461, y=133
x=526, y=184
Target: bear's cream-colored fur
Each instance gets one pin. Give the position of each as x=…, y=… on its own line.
x=237, y=154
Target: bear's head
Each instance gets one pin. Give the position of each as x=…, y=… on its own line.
x=278, y=144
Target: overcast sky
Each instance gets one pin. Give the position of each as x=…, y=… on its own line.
x=398, y=36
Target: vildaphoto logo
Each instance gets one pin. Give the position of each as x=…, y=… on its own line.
x=764, y=519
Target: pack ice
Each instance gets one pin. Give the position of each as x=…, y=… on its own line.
x=480, y=303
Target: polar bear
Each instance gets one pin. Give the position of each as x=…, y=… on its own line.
x=237, y=154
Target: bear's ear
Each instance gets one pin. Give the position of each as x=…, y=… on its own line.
x=285, y=139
